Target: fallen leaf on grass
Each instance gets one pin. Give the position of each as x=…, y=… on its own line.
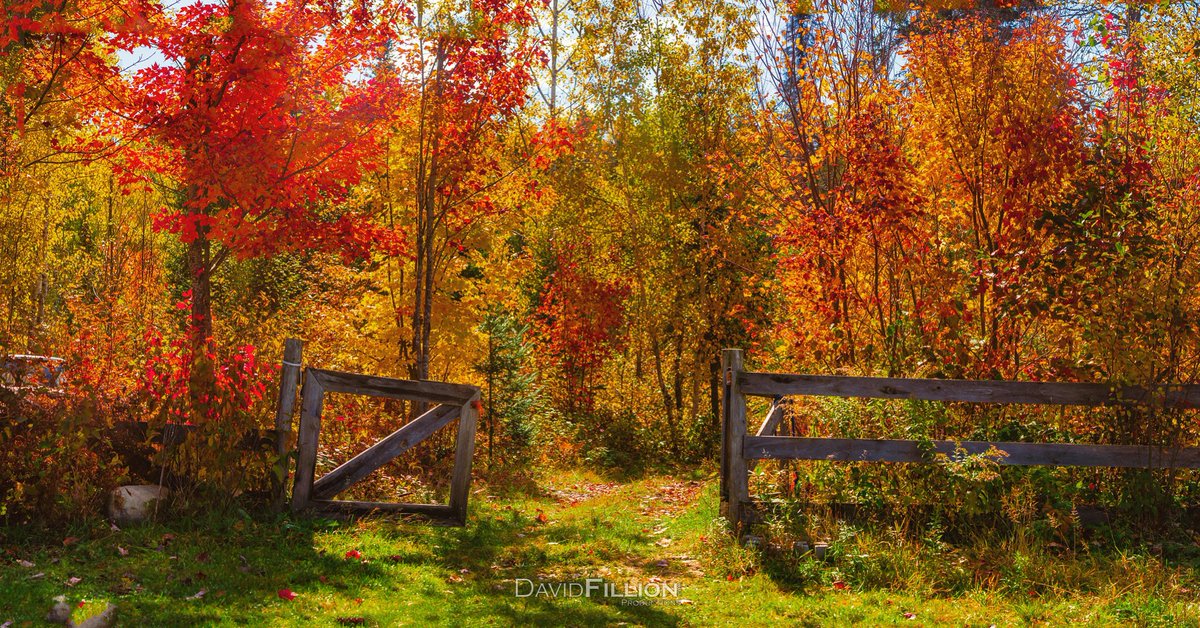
x=663, y=542
x=24, y=563
x=286, y=594
x=199, y=595
x=910, y=615
x=37, y=576
x=73, y=580
x=840, y=586
x=70, y=540
x=455, y=578
x=355, y=554
x=202, y=557
x=542, y=518
x=351, y=621
x=122, y=551
x=684, y=600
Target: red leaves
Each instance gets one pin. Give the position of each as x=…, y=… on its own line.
x=239, y=379
x=579, y=321
x=840, y=585
x=286, y=594
x=354, y=554
x=241, y=116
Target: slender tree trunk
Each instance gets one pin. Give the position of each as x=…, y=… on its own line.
x=200, y=323
x=428, y=171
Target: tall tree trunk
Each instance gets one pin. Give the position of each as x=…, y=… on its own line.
x=427, y=174
x=200, y=324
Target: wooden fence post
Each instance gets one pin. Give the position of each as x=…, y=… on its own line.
x=460, y=482
x=289, y=379
x=724, y=451
x=735, y=479
x=313, y=399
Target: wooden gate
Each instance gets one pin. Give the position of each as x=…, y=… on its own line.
x=448, y=402
x=739, y=448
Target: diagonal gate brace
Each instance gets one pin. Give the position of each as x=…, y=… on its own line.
x=384, y=451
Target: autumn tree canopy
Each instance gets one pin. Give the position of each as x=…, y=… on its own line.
x=599, y=195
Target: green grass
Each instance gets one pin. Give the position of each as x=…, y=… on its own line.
x=656, y=529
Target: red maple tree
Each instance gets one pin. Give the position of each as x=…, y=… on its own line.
x=258, y=121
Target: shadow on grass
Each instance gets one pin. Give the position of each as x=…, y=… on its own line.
x=225, y=569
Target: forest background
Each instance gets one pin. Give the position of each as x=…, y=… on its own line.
x=576, y=204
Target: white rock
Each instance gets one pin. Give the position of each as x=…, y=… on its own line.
x=135, y=503
x=60, y=613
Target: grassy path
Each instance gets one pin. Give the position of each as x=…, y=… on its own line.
x=657, y=532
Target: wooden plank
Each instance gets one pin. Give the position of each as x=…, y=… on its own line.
x=1025, y=454
x=289, y=380
x=722, y=490
x=737, y=482
x=435, y=511
x=1181, y=396
x=771, y=423
x=312, y=400
x=437, y=392
x=460, y=482
x=382, y=452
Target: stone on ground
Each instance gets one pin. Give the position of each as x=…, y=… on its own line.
x=134, y=504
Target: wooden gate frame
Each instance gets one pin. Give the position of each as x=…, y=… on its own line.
x=454, y=401
x=739, y=449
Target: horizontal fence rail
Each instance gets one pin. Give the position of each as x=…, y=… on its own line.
x=741, y=448
x=1185, y=396
x=1020, y=454
x=410, y=390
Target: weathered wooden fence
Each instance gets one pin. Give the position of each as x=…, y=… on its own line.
x=741, y=448
x=23, y=372
x=450, y=402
